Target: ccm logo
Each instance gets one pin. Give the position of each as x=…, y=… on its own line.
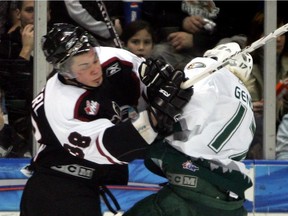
x=75, y=170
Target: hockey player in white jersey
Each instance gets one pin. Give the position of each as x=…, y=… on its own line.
x=202, y=159
x=86, y=122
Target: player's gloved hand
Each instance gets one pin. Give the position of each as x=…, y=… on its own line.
x=164, y=94
x=154, y=72
x=167, y=102
x=165, y=99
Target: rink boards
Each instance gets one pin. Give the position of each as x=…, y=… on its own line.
x=269, y=194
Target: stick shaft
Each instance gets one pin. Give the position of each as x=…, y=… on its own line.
x=109, y=24
x=255, y=45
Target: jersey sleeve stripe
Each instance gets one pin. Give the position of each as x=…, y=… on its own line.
x=110, y=159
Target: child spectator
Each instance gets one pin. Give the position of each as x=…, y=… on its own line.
x=138, y=38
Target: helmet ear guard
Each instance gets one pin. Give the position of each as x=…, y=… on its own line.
x=241, y=65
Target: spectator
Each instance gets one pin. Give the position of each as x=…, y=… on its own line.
x=85, y=118
x=138, y=38
x=282, y=140
x=181, y=36
x=14, y=21
x=89, y=15
x=232, y=22
x=202, y=159
x=3, y=16
x=256, y=82
x=16, y=55
x=20, y=42
x=5, y=147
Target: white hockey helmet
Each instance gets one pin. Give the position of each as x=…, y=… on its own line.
x=197, y=65
x=241, y=65
x=222, y=51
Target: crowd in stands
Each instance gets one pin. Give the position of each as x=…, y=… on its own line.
x=176, y=31
x=16, y=55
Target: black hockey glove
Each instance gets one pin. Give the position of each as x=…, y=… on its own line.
x=167, y=103
x=164, y=95
x=154, y=72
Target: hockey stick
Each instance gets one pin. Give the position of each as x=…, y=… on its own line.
x=255, y=45
x=109, y=23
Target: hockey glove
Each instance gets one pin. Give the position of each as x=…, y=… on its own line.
x=154, y=72
x=167, y=102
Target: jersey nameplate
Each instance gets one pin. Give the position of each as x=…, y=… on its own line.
x=243, y=96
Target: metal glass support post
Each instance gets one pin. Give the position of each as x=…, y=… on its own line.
x=39, y=64
x=269, y=126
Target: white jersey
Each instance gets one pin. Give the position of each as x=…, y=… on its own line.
x=81, y=127
x=219, y=117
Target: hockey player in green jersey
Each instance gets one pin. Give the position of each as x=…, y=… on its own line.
x=202, y=158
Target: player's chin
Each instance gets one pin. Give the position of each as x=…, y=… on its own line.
x=97, y=82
